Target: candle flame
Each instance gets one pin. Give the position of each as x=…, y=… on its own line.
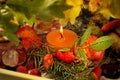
x=61, y=32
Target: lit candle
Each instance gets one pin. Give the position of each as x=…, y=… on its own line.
x=61, y=33
x=61, y=38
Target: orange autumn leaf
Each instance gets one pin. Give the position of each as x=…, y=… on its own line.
x=29, y=37
x=72, y=13
x=94, y=5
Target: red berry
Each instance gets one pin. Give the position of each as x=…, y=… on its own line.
x=86, y=46
x=30, y=64
x=21, y=57
x=97, y=71
x=90, y=53
x=34, y=72
x=67, y=57
x=110, y=25
x=98, y=56
x=48, y=60
x=22, y=69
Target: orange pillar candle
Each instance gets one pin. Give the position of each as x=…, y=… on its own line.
x=61, y=38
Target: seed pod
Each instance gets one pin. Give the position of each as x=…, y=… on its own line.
x=10, y=58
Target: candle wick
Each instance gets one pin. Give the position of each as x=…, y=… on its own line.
x=61, y=36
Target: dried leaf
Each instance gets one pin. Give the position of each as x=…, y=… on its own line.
x=29, y=37
x=94, y=5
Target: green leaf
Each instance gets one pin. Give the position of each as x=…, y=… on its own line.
x=86, y=35
x=20, y=17
x=56, y=9
x=5, y=17
x=102, y=43
x=6, y=24
x=64, y=49
x=44, y=9
x=9, y=28
x=81, y=54
x=12, y=37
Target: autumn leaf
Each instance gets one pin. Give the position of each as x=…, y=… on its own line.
x=110, y=8
x=29, y=37
x=114, y=8
x=45, y=27
x=94, y=5
x=72, y=13
x=105, y=12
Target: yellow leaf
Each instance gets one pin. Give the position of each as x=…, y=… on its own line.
x=113, y=6
x=71, y=14
x=14, y=21
x=74, y=2
x=105, y=12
